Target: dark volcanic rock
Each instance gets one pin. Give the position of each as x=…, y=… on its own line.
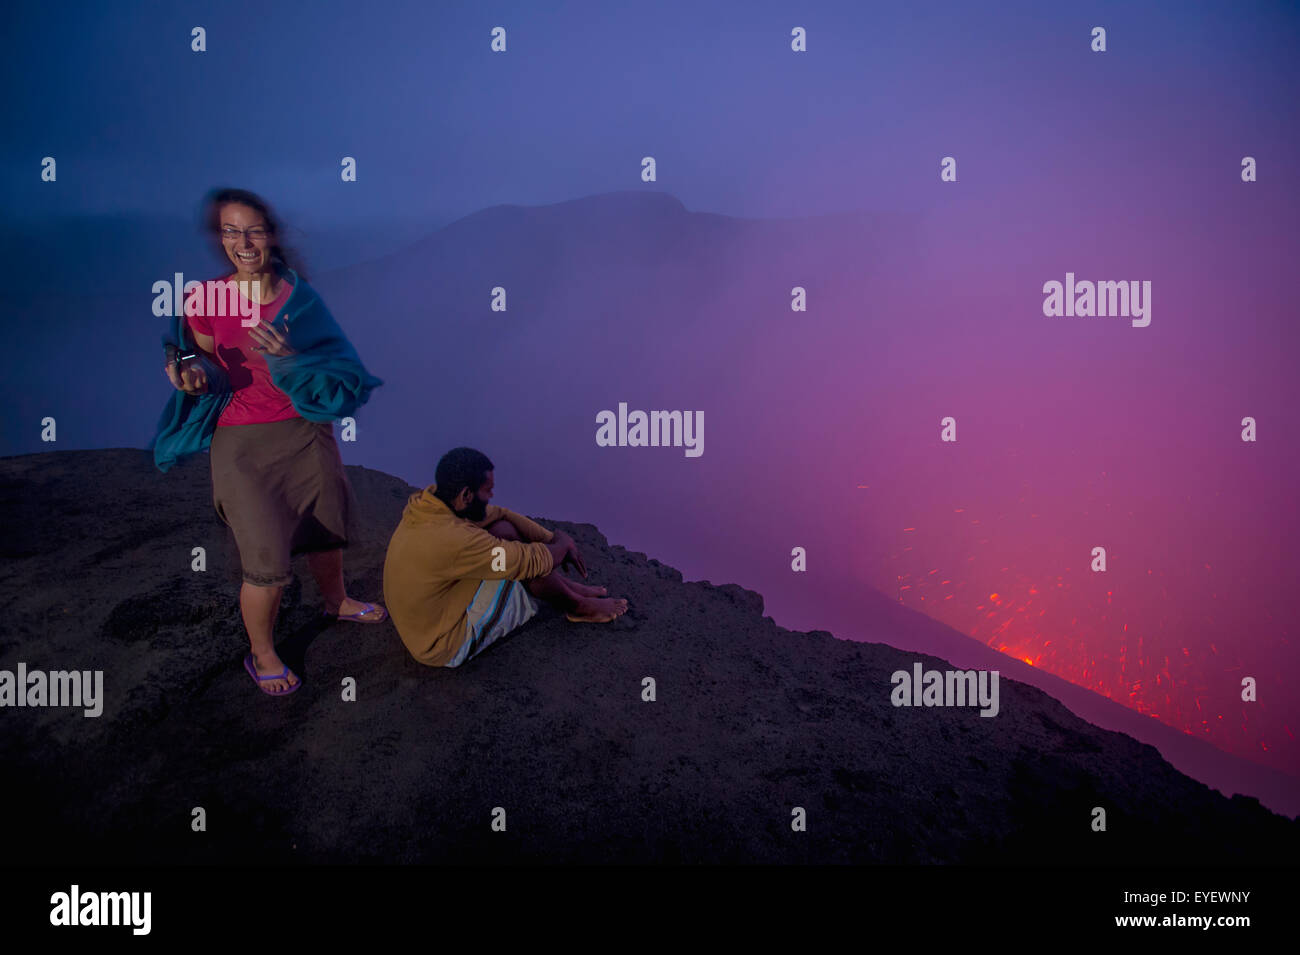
x=750, y=720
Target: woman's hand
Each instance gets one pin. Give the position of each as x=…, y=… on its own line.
x=192, y=379
x=270, y=340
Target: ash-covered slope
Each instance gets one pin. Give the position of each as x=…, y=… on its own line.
x=750, y=720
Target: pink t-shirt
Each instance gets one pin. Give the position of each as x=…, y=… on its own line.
x=255, y=398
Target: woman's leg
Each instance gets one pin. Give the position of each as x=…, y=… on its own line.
x=333, y=510
x=327, y=567
x=259, y=606
x=248, y=480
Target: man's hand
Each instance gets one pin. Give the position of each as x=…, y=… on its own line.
x=571, y=555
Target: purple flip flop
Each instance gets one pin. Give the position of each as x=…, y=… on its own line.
x=362, y=616
x=259, y=679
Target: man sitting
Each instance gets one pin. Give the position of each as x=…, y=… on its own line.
x=459, y=571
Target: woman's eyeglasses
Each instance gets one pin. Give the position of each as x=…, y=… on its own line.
x=257, y=233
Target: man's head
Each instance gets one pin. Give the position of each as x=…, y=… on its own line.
x=464, y=482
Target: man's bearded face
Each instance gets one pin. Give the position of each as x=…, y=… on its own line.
x=475, y=511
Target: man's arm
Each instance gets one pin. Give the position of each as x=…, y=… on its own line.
x=528, y=530
x=560, y=545
x=478, y=557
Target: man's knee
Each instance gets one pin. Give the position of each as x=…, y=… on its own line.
x=503, y=529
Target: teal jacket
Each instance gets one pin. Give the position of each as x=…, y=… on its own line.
x=324, y=378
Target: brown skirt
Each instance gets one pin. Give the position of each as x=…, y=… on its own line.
x=281, y=488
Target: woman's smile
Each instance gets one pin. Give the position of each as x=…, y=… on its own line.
x=247, y=237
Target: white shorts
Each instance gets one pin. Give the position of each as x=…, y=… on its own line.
x=498, y=607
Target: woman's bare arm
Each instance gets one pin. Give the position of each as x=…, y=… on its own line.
x=205, y=343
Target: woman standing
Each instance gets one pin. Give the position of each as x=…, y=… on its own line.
x=277, y=477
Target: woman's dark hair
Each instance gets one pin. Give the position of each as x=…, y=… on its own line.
x=460, y=468
x=217, y=198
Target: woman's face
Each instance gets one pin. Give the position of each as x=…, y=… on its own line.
x=251, y=254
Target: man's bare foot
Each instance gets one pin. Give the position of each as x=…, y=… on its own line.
x=597, y=610
x=268, y=665
x=585, y=590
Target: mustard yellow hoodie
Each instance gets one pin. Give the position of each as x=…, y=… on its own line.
x=435, y=563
